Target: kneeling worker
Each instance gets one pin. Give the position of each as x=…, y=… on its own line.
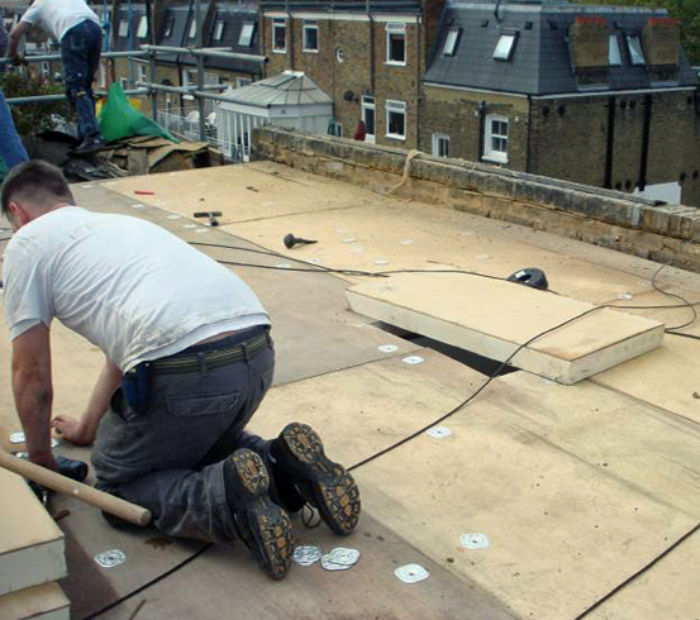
x=188, y=359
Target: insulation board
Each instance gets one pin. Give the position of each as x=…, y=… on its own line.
x=494, y=318
x=31, y=545
x=44, y=602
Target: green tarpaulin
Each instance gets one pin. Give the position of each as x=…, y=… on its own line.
x=120, y=120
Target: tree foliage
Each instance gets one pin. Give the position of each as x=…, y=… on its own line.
x=686, y=11
x=33, y=118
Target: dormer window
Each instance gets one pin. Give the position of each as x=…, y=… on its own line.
x=451, y=42
x=124, y=28
x=219, y=29
x=505, y=47
x=142, y=32
x=246, y=36
x=635, y=48
x=614, y=58
x=168, y=28
x=193, y=29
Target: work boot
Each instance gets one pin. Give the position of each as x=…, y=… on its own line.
x=89, y=145
x=262, y=525
x=298, y=452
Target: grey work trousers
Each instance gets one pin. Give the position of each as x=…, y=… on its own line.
x=170, y=458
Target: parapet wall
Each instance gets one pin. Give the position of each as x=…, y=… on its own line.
x=608, y=218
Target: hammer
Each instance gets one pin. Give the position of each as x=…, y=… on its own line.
x=62, y=484
x=212, y=215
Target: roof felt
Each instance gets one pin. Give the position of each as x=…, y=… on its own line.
x=540, y=63
x=291, y=88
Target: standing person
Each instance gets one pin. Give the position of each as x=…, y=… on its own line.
x=12, y=151
x=77, y=29
x=188, y=359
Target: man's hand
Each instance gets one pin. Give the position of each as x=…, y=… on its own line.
x=73, y=430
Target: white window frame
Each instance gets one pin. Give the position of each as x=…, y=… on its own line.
x=397, y=107
x=396, y=29
x=124, y=83
x=219, y=27
x=192, y=34
x=336, y=129
x=45, y=69
x=614, y=56
x=123, y=28
x=142, y=31
x=189, y=77
x=242, y=82
x=368, y=103
x=141, y=72
x=505, y=46
x=308, y=26
x=245, y=38
x=452, y=41
x=438, y=140
x=103, y=75
x=491, y=154
x=279, y=23
x=634, y=45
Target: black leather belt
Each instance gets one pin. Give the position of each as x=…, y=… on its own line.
x=214, y=358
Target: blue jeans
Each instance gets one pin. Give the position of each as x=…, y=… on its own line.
x=170, y=458
x=12, y=151
x=80, y=52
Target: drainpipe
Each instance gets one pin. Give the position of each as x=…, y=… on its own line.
x=418, y=75
x=368, y=9
x=291, y=34
x=481, y=111
x=528, y=162
x=644, y=161
x=200, y=69
x=610, y=143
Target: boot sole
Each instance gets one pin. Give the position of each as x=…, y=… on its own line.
x=266, y=528
x=326, y=485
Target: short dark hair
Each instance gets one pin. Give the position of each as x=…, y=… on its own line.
x=35, y=180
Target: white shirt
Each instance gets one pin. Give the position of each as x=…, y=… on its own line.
x=130, y=287
x=58, y=16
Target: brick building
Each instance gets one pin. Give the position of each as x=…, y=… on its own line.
x=597, y=95
x=369, y=57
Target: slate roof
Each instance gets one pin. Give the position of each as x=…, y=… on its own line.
x=541, y=62
x=291, y=88
x=344, y=6
x=234, y=16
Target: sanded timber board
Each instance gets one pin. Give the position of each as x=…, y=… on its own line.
x=493, y=318
x=44, y=602
x=31, y=545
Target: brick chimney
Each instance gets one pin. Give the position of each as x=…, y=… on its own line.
x=588, y=36
x=661, y=39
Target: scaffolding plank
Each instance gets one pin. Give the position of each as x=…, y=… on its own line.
x=493, y=318
x=42, y=602
x=31, y=545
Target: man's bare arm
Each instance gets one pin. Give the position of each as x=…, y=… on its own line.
x=15, y=36
x=82, y=431
x=31, y=383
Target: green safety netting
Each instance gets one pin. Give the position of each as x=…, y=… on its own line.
x=120, y=120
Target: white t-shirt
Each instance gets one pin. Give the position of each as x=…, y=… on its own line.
x=130, y=287
x=58, y=16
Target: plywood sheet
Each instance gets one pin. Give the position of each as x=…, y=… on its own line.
x=226, y=583
x=668, y=377
x=362, y=410
x=241, y=193
x=31, y=546
x=44, y=602
x=668, y=590
x=562, y=532
x=493, y=318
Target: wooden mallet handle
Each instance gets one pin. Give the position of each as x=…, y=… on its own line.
x=61, y=484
